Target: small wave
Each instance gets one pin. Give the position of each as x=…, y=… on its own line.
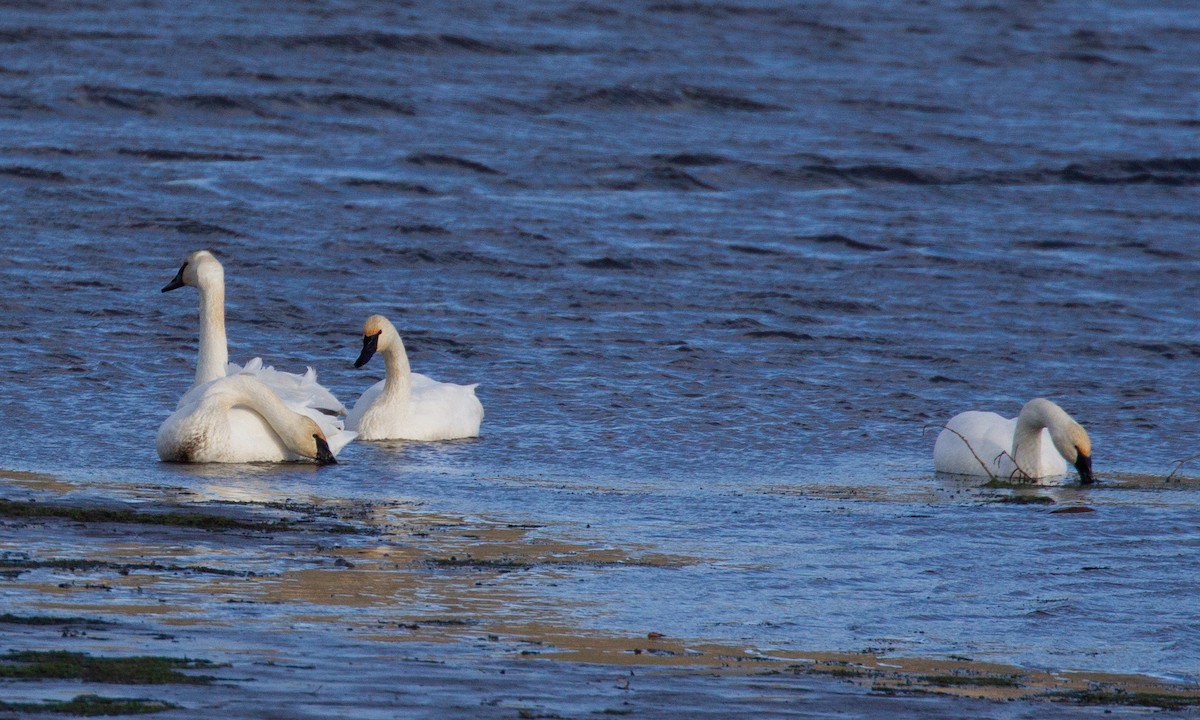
x=1050, y=244
x=628, y=263
x=838, y=239
x=343, y=102
x=698, y=159
x=779, y=334
x=188, y=155
x=426, y=256
x=662, y=178
x=41, y=34
x=754, y=250
x=1165, y=350
x=625, y=97
x=421, y=229
x=389, y=185
x=1089, y=58
x=894, y=105
x=185, y=226
x=425, y=159
x=944, y=379
x=607, y=263
x=1155, y=171
x=383, y=41
x=26, y=172
x=713, y=10
x=21, y=103
x=149, y=102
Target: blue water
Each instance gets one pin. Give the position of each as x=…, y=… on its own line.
x=714, y=266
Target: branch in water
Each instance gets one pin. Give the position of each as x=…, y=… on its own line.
x=1179, y=465
x=982, y=464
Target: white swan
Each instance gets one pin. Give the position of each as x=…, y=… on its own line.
x=407, y=405
x=204, y=272
x=1037, y=443
x=240, y=419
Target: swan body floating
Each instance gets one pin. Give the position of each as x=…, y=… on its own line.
x=250, y=413
x=240, y=419
x=407, y=405
x=1037, y=443
x=204, y=272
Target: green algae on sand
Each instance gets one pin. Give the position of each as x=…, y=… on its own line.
x=138, y=670
x=91, y=706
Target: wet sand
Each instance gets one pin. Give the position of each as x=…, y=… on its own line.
x=385, y=609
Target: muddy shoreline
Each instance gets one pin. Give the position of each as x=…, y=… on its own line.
x=301, y=610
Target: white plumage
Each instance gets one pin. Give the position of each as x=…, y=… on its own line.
x=204, y=272
x=407, y=405
x=250, y=413
x=1038, y=443
x=239, y=419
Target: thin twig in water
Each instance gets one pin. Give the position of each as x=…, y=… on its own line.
x=1017, y=471
x=982, y=464
x=1179, y=465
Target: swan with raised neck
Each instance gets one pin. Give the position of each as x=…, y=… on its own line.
x=203, y=271
x=407, y=405
x=1040, y=442
x=239, y=419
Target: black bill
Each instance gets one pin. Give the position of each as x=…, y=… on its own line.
x=324, y=455
x=1084, y=465
x=370, y=346
x=177, y=282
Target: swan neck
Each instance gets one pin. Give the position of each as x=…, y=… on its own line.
x=399, y=374
x=287, y=424
x=214, y=351
x=1027, y=445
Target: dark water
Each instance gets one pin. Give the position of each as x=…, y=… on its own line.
x=713, y=264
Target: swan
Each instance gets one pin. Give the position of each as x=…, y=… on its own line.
x=1037, y=443
x=240, y=419
x=406, y=405
x=204, y=272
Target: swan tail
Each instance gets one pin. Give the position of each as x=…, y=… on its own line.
x=296, y=390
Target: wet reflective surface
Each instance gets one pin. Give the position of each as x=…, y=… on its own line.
x=714, y=266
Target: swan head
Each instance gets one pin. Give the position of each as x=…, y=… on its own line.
x=374, y=338
x=1071, y=441
x=311, y=443
x=1081, y=452
x=200, y=268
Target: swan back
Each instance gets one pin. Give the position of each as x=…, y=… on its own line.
x=981, y=443
x=241, y=419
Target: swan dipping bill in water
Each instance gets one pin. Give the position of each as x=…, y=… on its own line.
x=244, y=414
x=407, y=405
x=239, y=419
x=1038, y=443
x=204, y=272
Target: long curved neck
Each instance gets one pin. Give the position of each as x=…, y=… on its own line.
x=1037, y=415
x=399, y=375
x=1027, y=444
x=251, y=393
x=214, y=350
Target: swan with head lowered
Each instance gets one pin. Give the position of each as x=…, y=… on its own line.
x=239, y=419
x=1038, y=443
x=407, y=405
x=244, y=414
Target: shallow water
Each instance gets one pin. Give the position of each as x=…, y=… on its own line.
x=713, y=265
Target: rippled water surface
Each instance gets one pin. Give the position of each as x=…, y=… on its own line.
x=714, y=266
